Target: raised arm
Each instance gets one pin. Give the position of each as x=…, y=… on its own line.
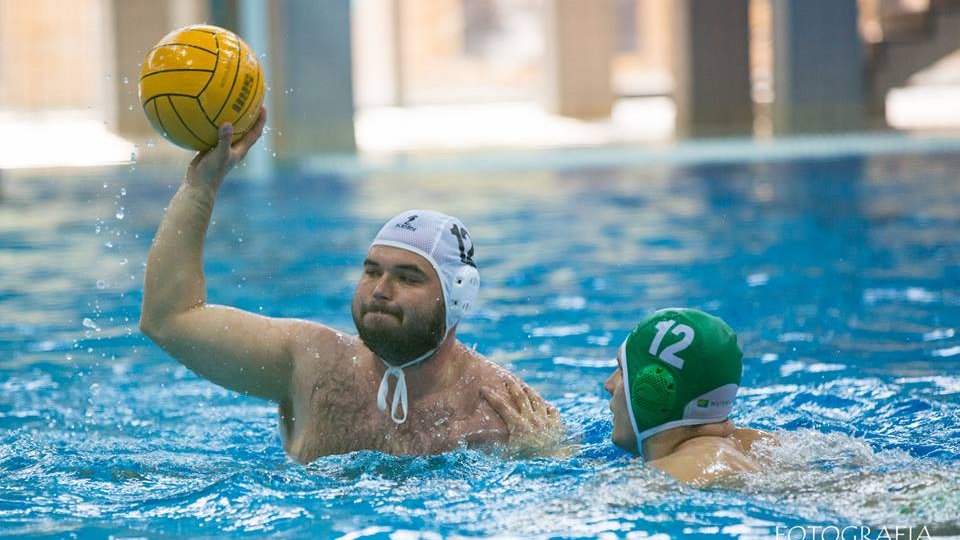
x=235, y=349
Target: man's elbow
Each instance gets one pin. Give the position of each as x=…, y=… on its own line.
x=152, y=328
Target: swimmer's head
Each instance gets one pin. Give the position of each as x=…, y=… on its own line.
x=419, y=281
x=679, y=367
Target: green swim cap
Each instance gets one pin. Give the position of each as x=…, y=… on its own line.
x=681, y=367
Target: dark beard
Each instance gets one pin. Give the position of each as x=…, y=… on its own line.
x=401, y=344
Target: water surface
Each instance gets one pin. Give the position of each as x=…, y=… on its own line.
x=841, y=276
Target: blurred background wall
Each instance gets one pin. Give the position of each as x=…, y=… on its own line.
x=409, y=75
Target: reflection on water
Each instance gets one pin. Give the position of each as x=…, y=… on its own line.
x=841, y=278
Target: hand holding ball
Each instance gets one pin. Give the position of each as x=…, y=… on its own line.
x=198, y=78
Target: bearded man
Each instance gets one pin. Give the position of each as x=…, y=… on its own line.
x=404, y=385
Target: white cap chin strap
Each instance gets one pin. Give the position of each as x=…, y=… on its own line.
x=400, y=392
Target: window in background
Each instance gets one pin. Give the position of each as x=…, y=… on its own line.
x=641, y=65
x=447, y=51
x=52, y=56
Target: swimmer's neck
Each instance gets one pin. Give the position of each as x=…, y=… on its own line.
x=435, y=372
x=667, y=442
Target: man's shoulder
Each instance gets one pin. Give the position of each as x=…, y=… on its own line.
x=489, y=373
x=747, y=437
x=708, y=450
x=484, y=368
x=705, y=459
x=313, y=343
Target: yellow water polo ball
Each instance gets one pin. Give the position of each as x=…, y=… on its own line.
x=197, y=78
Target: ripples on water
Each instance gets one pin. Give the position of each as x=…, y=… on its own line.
x=841, y=278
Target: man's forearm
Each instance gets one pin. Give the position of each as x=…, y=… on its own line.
x=174, y=281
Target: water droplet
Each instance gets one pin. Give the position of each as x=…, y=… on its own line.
x=129, y=107
x=97, y=230
x=88, y=323
x=274, y=154
x=101, y=284
x=105, y=185
x=123, y=262
x=133, y=156
x=120, y=213
x=108, y=244
x=151, y=143
x=126, y=80
x=123, y=191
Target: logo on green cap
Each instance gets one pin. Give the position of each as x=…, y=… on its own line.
x=703, y=403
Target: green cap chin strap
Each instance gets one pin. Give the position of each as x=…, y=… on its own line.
x=681, y=367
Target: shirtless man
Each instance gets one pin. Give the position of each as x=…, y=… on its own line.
x=671, y=396
x=418, y=280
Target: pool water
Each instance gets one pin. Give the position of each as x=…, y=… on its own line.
x=841, y=276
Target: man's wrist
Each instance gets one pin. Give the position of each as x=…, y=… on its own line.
x=198, y=189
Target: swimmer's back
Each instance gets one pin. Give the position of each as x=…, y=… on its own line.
x=706, y=459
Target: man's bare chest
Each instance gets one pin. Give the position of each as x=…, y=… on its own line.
x=348, y=423
x=334, y=411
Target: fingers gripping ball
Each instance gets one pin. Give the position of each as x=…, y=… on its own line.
x=198, y=78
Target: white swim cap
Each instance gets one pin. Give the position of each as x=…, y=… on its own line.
x=444, y=242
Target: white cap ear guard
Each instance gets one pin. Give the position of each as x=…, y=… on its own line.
x=463, y=292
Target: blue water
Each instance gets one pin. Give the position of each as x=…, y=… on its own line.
x=841, y=276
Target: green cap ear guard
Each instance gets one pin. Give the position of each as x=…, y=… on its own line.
x=681, y=367
x=654, y=390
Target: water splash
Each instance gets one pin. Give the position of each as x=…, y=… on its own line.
x=832, y=474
